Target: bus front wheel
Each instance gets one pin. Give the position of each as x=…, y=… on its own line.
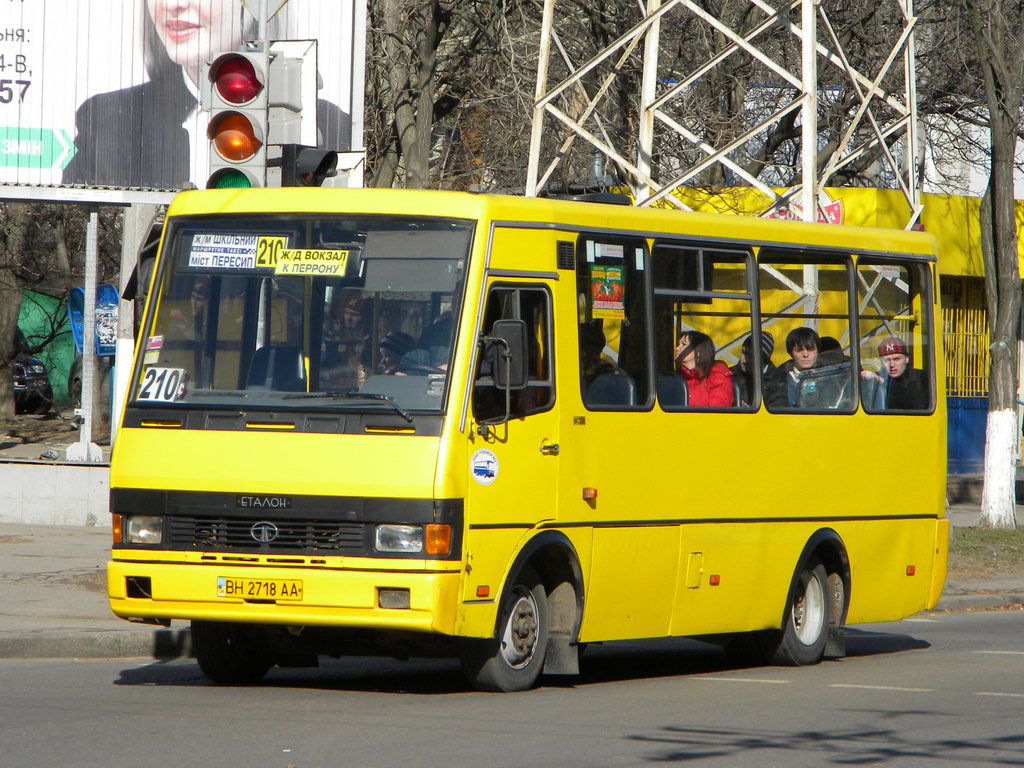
x=227, y=655
x=514, y=659
x=802, y=638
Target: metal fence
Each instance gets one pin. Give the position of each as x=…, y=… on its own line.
x=965, y=333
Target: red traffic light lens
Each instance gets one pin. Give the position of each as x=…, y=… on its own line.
x=236, y=80
x=234, y=137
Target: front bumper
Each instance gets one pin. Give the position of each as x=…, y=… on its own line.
x=332, y=597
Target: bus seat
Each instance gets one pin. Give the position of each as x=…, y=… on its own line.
x=672, y=390
x=277, y=368
x=611, y=389
x=740, y=396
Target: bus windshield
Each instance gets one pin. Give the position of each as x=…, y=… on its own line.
x=293, y=311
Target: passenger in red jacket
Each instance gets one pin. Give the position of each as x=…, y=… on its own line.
x=708, y=381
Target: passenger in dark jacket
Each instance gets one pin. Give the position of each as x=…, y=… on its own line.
x=899, y=387
x=773, y=390
x=803, y=346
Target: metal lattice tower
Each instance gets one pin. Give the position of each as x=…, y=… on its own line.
x=836, y=106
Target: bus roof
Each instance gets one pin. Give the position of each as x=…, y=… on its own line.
x=566, y=214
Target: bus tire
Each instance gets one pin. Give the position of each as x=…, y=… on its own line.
x=513, y=660
x=226, y=655
x=801, y=640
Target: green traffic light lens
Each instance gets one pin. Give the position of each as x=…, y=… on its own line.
x=229, y=179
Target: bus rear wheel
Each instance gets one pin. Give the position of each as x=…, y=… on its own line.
x=226, y=654
x=802, y=638
x=514, y=659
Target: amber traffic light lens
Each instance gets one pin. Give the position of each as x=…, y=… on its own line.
x=236, y=80
x=234, y=137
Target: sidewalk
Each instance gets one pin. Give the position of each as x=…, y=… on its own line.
x=54, y=605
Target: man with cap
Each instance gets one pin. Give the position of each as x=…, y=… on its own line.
x=900, y=387
x=773, y=387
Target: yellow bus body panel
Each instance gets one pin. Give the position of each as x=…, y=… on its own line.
x=273, y=462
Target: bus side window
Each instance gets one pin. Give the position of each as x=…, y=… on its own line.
x=894, y=305
x=703, y=300
x=613, y=337
x=805, y=298
x=533, y=306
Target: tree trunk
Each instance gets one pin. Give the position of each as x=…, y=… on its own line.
x=1001, y=64
x=12, y=244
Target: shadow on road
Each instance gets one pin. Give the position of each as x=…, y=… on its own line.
x=601, y=663
x=851, y=746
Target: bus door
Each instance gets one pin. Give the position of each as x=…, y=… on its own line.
x=514, y=442
x=612, y=463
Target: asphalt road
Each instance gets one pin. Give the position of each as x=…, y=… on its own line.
x=943, y=689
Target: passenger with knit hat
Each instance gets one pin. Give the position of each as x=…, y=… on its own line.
x=772, y=394
x=899, y=387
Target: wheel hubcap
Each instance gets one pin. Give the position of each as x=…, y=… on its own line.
x=809, y=612
x=519, y=640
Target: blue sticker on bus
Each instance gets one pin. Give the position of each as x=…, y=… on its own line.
x=485, y=466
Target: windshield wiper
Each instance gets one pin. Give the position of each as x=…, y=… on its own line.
x=352, y=396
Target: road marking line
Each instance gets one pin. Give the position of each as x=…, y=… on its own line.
x=1002, y=653
x=881, y=687
x=993, y=693
x=745, y=680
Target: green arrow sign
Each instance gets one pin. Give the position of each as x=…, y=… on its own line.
x=35, y=147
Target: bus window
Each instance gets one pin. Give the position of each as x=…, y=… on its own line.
x=614, y=358
x=533, y=306
x=805, y=302
x=706, y=290
x=895, y=345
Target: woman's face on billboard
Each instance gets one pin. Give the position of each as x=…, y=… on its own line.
x=192, y=30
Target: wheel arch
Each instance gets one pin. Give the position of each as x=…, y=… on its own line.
x=826, y=546
x=553, y=558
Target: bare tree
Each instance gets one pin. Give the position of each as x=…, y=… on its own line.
x=997, y=26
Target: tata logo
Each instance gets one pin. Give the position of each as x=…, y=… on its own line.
x=263, y=502
x=264, y=532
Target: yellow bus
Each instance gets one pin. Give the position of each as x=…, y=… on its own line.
x=427, y=423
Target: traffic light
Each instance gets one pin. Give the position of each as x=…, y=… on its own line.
x=303, y=166
x=235, y=93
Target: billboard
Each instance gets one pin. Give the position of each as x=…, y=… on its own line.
x=104, y=94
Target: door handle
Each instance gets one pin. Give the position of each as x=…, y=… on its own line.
x=549, y=449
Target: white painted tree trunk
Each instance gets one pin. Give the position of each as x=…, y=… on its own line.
x=998, y=500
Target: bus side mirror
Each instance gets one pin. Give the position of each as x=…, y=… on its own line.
x=506, y=348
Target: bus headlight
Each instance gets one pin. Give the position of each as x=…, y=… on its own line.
x=399, y=538
x=143, y=529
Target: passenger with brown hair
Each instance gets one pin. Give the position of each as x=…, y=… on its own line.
x=708, y=381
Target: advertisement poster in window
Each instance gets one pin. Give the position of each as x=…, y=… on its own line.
x=607, y=292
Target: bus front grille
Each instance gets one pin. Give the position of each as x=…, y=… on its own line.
x=265, y=535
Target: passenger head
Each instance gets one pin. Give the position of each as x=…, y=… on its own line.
x=767, y=347
x=828, y=344
x=394, y=346
x=802, y=344
x=894, y=356
x=695, y=352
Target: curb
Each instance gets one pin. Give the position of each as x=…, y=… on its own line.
x=979, y=602
x=95, y=644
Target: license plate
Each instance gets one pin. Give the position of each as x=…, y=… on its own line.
x=259, y=589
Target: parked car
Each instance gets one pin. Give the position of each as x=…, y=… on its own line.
x=32, y=392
